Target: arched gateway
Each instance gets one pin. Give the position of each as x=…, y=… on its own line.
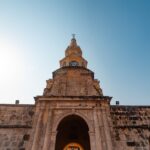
x=72, y=134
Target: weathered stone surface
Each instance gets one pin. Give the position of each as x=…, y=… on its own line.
x=131, y=127
x=15, y=126
x=77, y=81
x=14, y=138
x=16, y=115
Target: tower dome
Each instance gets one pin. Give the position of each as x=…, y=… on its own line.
x=73, y=49
x=73, y=56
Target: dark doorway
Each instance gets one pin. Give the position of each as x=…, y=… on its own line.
x=72, y=129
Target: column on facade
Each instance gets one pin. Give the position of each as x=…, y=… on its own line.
x=35, y=120
x=52, y=140
x=97, y=131
x=101, y=129
x=47, y=142
x=35, y=145
x=107, y=129
x=92, y=140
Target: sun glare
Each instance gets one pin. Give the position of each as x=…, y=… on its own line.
x=9, y=61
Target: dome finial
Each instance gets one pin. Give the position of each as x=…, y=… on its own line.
x=73, y=36
x=73, y=41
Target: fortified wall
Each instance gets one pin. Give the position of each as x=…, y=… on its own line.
x=131, y=127
x=15, y=126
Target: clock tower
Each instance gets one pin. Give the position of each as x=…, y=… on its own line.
x=72, y=113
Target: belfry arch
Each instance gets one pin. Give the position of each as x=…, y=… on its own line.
x=72, y=129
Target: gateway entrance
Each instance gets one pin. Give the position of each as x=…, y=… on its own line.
x=72, y=134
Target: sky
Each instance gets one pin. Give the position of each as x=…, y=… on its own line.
x=114, y=36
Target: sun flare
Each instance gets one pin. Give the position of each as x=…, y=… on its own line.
x=9, y=60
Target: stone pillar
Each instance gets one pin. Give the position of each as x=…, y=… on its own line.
x=53, y=140
x=107, y=130
x=97, y=131
x=101, y=129
x=34, y=128
x=35, y=145
x=92, y=140
x=47, y=142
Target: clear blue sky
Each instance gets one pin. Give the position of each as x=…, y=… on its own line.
x=113, y=34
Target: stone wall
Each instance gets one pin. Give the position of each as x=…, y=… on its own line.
x=131, y=127
x=16, y=115
x=15, y=126
x=14, y=138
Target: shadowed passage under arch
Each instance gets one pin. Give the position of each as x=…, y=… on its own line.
x=72, y=129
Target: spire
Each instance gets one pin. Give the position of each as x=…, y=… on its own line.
x=73, y=48
x=73, y=55
x=73, y=41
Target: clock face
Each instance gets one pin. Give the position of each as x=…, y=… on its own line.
x=73, y=146
x=73, y=63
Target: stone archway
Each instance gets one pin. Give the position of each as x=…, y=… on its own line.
x=72, y=129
